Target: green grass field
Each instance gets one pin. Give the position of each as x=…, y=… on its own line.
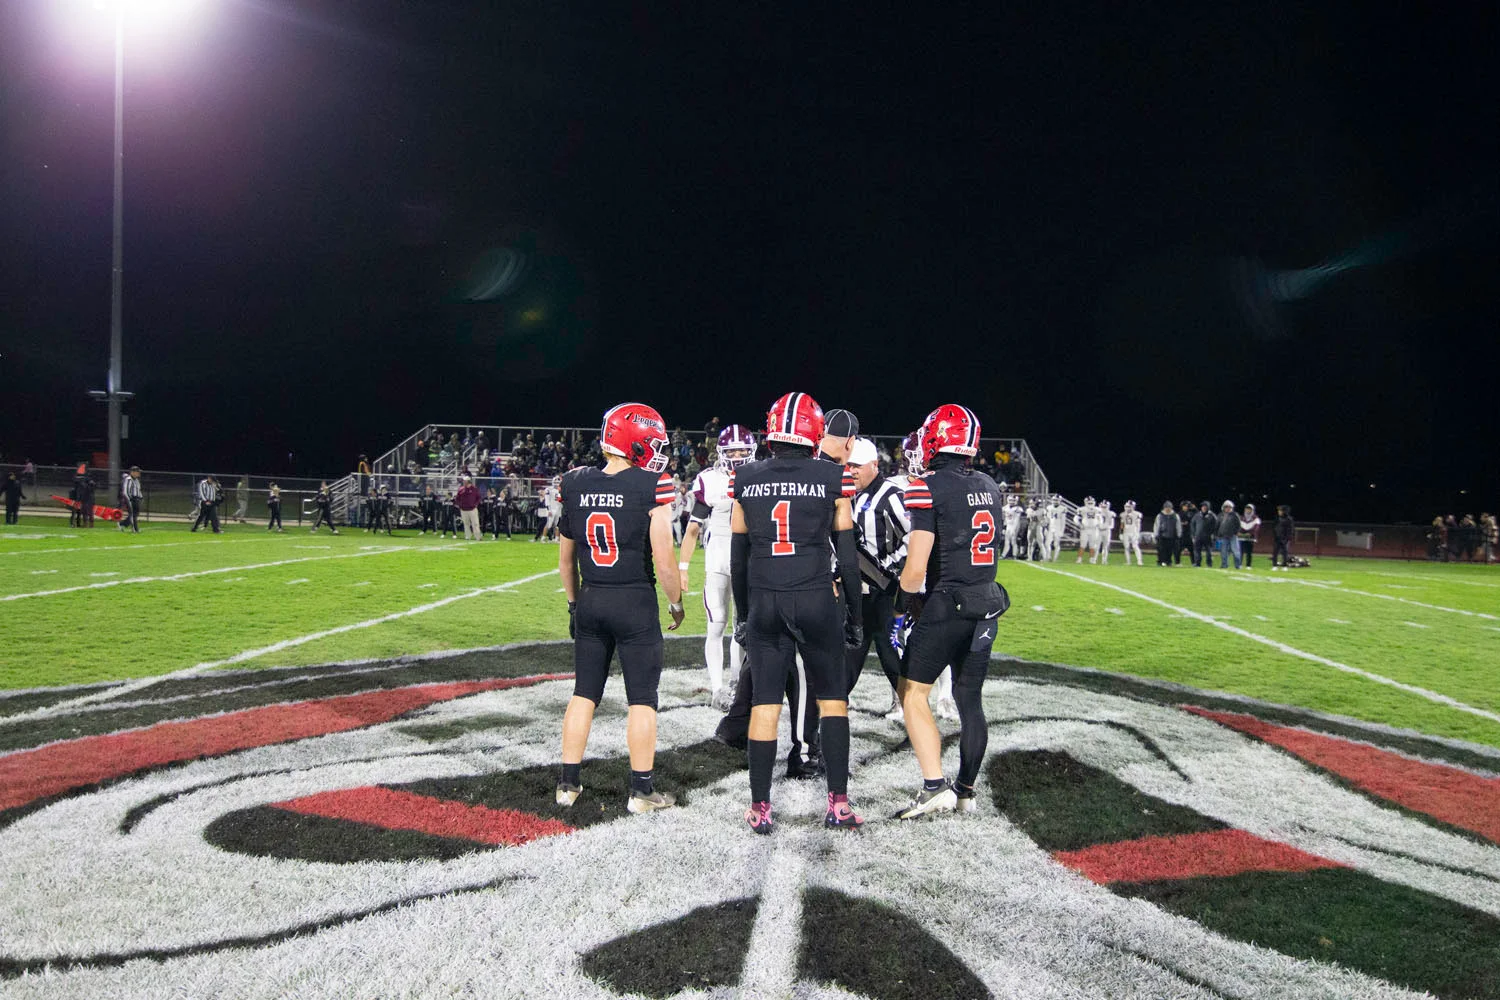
x=87, y=606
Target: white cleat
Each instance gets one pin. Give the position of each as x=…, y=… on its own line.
x=722, y=699
x=947, y=708
x=642, y=803
x=927, y=803
x=568, y=794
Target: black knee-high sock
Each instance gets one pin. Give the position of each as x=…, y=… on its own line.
x=836, y=752
x=975, y=735
x=762, y=757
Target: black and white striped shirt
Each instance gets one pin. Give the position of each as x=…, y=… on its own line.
x=207, y=491
x=130, y=487
x=881, y=522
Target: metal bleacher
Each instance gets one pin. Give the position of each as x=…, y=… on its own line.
x=405, y=475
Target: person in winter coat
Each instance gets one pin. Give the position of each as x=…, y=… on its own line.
x=1227, y=535
x=1203, y=526
x=1168, y=532
x=1249, y=532
x=1286, y=528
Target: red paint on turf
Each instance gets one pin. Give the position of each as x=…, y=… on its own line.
x=28, y=775
x=1450, y=794
x=390, y=809
x=1216, y=853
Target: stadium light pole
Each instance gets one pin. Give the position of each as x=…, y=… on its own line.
x=114, y=394
x=113, y=387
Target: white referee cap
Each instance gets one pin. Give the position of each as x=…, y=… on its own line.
x=863, y=452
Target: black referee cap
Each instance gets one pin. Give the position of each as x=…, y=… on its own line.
x=840, y=424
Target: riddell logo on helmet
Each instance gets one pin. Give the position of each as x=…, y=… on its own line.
x=393, y=825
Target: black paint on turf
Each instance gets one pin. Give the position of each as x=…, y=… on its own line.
x=701, y=950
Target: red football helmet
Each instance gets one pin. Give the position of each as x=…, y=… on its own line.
x=950, y=428
x=637, y=433
x=795, y=418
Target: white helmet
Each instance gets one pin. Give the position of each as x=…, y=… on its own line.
x=1104, y=504
x=1088, y=501
x=1130, y=505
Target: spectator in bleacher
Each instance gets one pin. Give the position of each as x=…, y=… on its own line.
x=711, y=429
x=1168, y=532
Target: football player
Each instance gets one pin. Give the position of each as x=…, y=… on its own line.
x=615, y=524
x=1010, y=514
x=1130, y=533
x=954, y=515
x=1037, y=545
x=1057, y=524
x=711, y=507
x=550, y=511
x=1106, y=529
x=911, y=460
x=786, y=510
x=1088, y=530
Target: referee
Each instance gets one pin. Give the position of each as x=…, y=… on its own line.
x=880, y=526
x=209, y=495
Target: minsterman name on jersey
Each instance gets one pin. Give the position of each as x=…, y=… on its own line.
x=755, y=490
x=981, y=499
x=601, y=500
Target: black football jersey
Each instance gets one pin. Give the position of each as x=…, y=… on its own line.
x=609, y=516
x=788, y=504
x=961, y=507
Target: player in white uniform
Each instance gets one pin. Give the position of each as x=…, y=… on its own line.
x=1130, y=533
x=711, y=509
x=1089, y=522
x=1010, y=516
x=1037, y=545
x=1057, y=524
x=549, y=514
x=1106, y=529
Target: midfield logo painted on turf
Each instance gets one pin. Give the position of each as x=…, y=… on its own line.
x=387, y=828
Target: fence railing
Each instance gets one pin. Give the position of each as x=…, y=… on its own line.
x=1389, y=541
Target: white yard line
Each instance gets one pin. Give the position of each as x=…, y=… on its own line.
x=130, y=687
x=1421, y=692
x=1434, y=579
x=1367, y=593
x=130, y=548
x=201, y=572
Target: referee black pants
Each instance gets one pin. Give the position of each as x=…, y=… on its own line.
x=879, y=612
x=734, y=728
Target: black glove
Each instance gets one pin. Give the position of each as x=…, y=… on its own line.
x=572, y=619
x=854, y=633
x=909, y=604
x=741, y=630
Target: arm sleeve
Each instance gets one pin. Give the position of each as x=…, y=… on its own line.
x=666, y=490
x=843, y=544
x=701, y=511
x=739, y=574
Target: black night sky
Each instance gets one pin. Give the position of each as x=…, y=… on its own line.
x=1045, y=214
